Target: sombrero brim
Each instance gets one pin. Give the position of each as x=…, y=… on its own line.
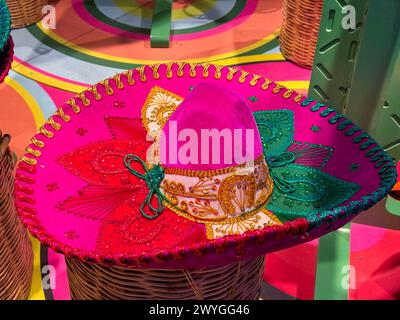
x=73, y=200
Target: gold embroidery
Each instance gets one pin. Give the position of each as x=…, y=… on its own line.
x=202, y=189
x=158, y=107
x=181, y=65
x=118, y=81
x=288, y=93
x=84, y=99
x=45, y=132
x=55, y=125
x=35, y=153
x=95, y=93
x=29, y=161
x=129, y=75
x=62, y=115
x=37, y=143
x=205, y=66
x=266, y=84
x=142, y=74
x=277, y=88
x=209, y=199
x=74, y=106
x=192, y=71
x=237, y=190
x=155, y=67
x=218, y=72
x=254, y=80
x=169, y=70
x=298, y=98
x=243, y=76
x=231, y=73
x=251, y=221
x=202, y=208
x=106, y=84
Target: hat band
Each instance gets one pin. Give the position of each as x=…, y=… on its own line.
x=218, y=195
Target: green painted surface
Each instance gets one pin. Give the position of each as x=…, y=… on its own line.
x=336, y=53
x=358, y=72
x=333, y=260
x=393, y=206
x=161, y=24
x=374, y=99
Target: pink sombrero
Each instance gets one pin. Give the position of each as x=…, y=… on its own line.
x=97, y=182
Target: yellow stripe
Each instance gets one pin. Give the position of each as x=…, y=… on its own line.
x=295, y=85
x=39, y=77
x=37, y=292
x=29, y=73
x=92, y=53
x=250, y=59
x=30, y=101
x=193, y=10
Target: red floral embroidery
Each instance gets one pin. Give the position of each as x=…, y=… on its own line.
x=52, y=187
x=81, y=131
x=113, y=195
x=71, y=235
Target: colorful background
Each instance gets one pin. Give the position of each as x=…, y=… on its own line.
x=95, y=39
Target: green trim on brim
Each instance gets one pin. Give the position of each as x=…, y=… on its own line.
x=5, y=24
x=393, y=206
x=383, y=162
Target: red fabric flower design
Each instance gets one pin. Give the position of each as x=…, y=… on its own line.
x=113, y=195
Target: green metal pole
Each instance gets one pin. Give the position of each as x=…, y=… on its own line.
x=161, y=24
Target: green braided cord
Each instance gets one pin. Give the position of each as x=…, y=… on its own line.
x=153, y=179
x=281, y=160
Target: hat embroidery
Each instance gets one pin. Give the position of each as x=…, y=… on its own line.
x=157, y=108
x=200, y=196
x=295, y=167
x=301, y=188
x=101, y=165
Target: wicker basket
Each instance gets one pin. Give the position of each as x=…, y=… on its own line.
x=25, y=12
x=300, y=28
x=16, y=257
x=238, y=281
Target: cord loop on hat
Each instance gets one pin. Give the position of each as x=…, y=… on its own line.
x=153, y=179
x=279, y=161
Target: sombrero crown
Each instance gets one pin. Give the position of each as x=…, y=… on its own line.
x=213, y=158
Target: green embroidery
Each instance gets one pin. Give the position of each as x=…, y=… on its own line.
x=253, y=99
x=276, y=129
x=315, y=128
x=313, y=191
x=301, y=189
x=354, y=167
x=311, y=155
x=191, y=88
